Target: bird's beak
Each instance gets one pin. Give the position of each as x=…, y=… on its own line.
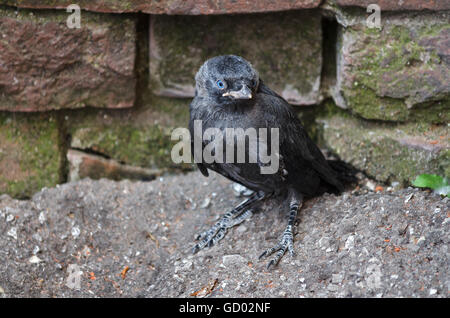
x=243, y=93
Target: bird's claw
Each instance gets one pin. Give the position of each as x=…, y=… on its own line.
x=286, y=243
x=218, y=230
x=208, y=238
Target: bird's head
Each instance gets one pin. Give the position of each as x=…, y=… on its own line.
x=227, y=78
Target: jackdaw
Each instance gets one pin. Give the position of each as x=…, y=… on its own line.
x=230, y=94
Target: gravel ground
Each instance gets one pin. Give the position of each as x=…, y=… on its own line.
x=134, y=239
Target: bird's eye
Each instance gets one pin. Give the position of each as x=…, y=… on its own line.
x=220, y=84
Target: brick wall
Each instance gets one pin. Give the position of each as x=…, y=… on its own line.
x=101, y=100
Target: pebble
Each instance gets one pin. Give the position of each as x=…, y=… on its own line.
x=34, y=259
x=185, y=266
x=371, y=185
x=409, y=197
x=12, y=233
x=350, y=242
x=242, y=229
x=206, y=203
x=36, y=250
x=42, y=217
x=75, y=231
x=230, y=260
x=324, y=242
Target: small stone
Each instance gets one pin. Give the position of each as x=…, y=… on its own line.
x=5, y=197
x=324, y=242
x=394, y=276
x=36, y=250
x=350, y=242
x=242, y=229
x=420, y=240
x=185, y=266
x=206, y=203
x=34, y=259
x=86, y=251
x=75, y=231
x=42, y=217
x=371, y=185
x=409, y=197
x=233, y=260
x=9, y=218
x=433, y=291
x=12, y=233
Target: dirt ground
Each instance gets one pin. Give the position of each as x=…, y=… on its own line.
x=134, y=239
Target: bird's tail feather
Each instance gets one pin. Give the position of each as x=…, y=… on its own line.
x=346, y=173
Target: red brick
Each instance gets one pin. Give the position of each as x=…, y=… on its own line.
x=393, y=5
x=45, y=65
x=83, y=165
x=188, y=7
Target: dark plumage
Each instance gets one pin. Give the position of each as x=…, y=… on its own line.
x=230, y=94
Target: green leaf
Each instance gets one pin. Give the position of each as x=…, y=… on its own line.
x=432, y=181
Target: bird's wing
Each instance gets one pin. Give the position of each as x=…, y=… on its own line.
x=297, y=149
x=246, y=175
x=200, y=166
x=263, y=89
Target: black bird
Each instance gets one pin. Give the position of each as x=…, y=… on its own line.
x=230, y=94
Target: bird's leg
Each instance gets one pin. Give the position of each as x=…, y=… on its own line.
x=287, y=240
x=229, y=219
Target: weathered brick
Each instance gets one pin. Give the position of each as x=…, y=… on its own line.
x=82, y=165
x=30, y=156
x=191, y=7
x=139, y=137
x=284, y=47
x=400, y=4
x=389, y=152
x=45, y=65
x=398, y=73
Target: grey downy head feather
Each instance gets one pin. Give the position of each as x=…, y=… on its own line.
x=226, y=77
